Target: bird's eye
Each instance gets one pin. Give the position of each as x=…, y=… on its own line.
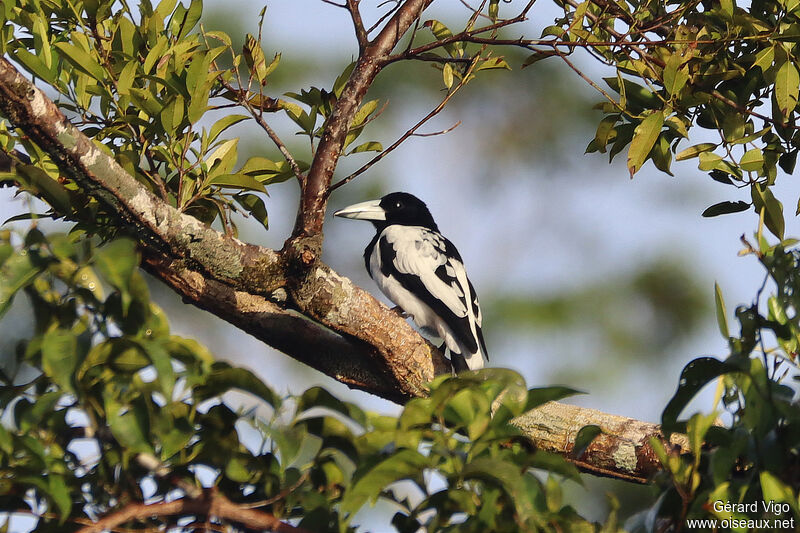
x=398, y=205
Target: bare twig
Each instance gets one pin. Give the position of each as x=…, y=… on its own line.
x=331, y=2
x=386, y=15
x=408, y=53
x=412, y=131
x=440, y=132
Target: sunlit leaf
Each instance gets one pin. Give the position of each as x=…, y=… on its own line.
x=644, y=137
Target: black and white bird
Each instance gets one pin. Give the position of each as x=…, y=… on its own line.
x=422, y=273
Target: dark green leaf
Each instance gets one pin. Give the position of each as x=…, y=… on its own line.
x=319, y=397
x=584, y=438
x=60, y=356
x=539, y=396
x=237, y=181
x=724, y=208
x=369, y=483
x=117, y=261
x=694, y=151
x=81, y=60
x=763, y=199
x=224, y=378
x=694, y=377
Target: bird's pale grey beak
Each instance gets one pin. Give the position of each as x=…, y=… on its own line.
x=370, y=210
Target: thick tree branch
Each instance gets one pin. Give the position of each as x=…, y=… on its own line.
x=622, y=451
x=345, y=359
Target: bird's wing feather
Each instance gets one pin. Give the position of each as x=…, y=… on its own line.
x=429, y=266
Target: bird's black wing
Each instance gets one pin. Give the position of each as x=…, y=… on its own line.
x=429, y=266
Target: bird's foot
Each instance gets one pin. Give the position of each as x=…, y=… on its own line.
x=399, y=310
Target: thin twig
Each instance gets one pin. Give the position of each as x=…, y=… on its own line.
x=591, y=82
x=331, y=2
x=358, y=24
x=725, y=100
x=257, y=114
x=385, y=15
x=522, y=16
x=212, y=503
x=280, y=496
x=440, y=132
x=412, y=131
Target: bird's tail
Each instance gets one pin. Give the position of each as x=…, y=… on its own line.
x=459, y=362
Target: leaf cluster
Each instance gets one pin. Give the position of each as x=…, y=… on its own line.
x=716, y=66
x=747, y=451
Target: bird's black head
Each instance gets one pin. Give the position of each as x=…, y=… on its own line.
x=407, y=210
x=394, y=208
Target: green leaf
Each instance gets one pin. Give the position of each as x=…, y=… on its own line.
x=775, y=490
x=764, y=59
x=223, y=124
x=694, y=151
x=493, y=63
x=542, y=395
x=447, y=75
x=369, y=146
x=694, y=377
x=237, y=181
x=555, y=463
x=504, y=474
x=763, y=199
x=787, y=86
x=722, y=316
x=696, y=429
x=605, y=133
x=51, y=191
x=644, y=137
x=254, y=57
x=629, y=90
x=117, y=261
x=224, y=378
x=222, y=160
x=724, y=208
x=60, y=356
x=440, y=31
x=171, y=115
x=16, y=273
x=145, y=100
x=81, y=60
x=584, y=438
x=191, y=18
x=319, y=397
x=676, y=74
x=494, y=6
x=58, y=491
x=34, y=64
x=752, y=160
x=363, y=113
x=127, y=76
x=254, y=205
x=341, y=81
x=162, y=362
x=369, y=484
x=128, y=426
